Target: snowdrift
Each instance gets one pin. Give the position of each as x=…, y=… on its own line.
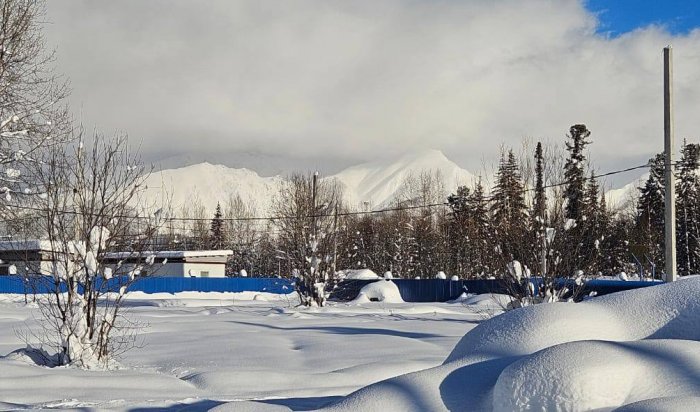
x=380, y=291
x=358, y=274
x=637, y=346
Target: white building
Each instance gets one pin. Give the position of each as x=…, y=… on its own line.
x=26, y=256
x=172, y=263
x=36, y=257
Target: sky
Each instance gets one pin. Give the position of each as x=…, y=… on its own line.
x=298, y=85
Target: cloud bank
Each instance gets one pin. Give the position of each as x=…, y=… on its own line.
x=341, y=82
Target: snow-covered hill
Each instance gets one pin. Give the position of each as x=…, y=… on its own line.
x=374, y=183
x=379, y=183
x=208, y=184
x=625, y=196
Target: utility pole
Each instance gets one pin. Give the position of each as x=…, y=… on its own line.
x=670, y=195
x=335, y=240
x=313, y=204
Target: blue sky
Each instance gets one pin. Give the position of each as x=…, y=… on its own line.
x=621, y=16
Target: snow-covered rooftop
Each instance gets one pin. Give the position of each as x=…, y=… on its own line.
x=170, y=254
x=25, y=245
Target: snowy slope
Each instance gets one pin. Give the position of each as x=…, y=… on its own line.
x=210, y=184
x=376, y=182
x=600, y=354
x=623, y=197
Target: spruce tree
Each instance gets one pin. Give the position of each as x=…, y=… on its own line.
x=539, y=210
x=217, y=229
x=649, y=222
x=509, y=209
x=592, y=222
x=688, y=210
x=481, y=233
x=574, y=172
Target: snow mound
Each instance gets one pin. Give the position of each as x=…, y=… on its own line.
x=663, y=404
x=591, y=375
x=382, y=291
x=358, y=274
x=491, y=300
x=603, y=353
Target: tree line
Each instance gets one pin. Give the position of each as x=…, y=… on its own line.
x=545, y=209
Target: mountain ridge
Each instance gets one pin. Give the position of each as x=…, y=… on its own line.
x=369, y=185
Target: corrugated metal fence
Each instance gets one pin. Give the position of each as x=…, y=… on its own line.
x=412, y=290
x=440, y=290
x=16, y=284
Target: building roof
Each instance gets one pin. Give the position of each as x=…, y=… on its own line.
x=25, y=245
x=169, y=254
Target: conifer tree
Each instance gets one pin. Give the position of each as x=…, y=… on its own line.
x=574, y=171
x=688, y=210
x=509, y=209
x=217, y=226
x=592, y=222
x=539, y=210
x=481, y=233
x=650, y=220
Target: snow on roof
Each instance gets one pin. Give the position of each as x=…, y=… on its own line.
x=25, y=245
x=170, y=254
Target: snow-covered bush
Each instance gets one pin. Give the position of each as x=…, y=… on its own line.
x=90, y=198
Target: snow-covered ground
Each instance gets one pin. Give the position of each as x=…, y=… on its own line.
x=638, y=349
x=207, y=349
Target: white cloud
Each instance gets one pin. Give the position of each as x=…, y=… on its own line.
x=349, y=80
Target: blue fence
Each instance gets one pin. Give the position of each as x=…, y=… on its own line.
x=16, y=284
x=440, y=290
x=412, y=290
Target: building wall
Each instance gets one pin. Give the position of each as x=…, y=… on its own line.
x=181, y=269
x=215, y=270
x=169, y=270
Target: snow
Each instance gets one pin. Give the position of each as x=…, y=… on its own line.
x=257, y=351
x=377, y=183
x=169, y=254
x=562, y=356
x=236, y=352
x=357, y=274
x=380, y=291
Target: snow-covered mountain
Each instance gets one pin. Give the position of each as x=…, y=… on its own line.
x=623, y=197
x=379, y=183
x=210, y=184
x=373, y=183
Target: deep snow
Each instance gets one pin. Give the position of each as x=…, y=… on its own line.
x=639, y=350
x=596, y=355
x=208, y=349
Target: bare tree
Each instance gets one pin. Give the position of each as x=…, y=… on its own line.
x=88, y=209
x=32, y=113
x=242, y=234
x=308, y=248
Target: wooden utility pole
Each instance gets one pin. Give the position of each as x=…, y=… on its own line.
x=670, y=195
